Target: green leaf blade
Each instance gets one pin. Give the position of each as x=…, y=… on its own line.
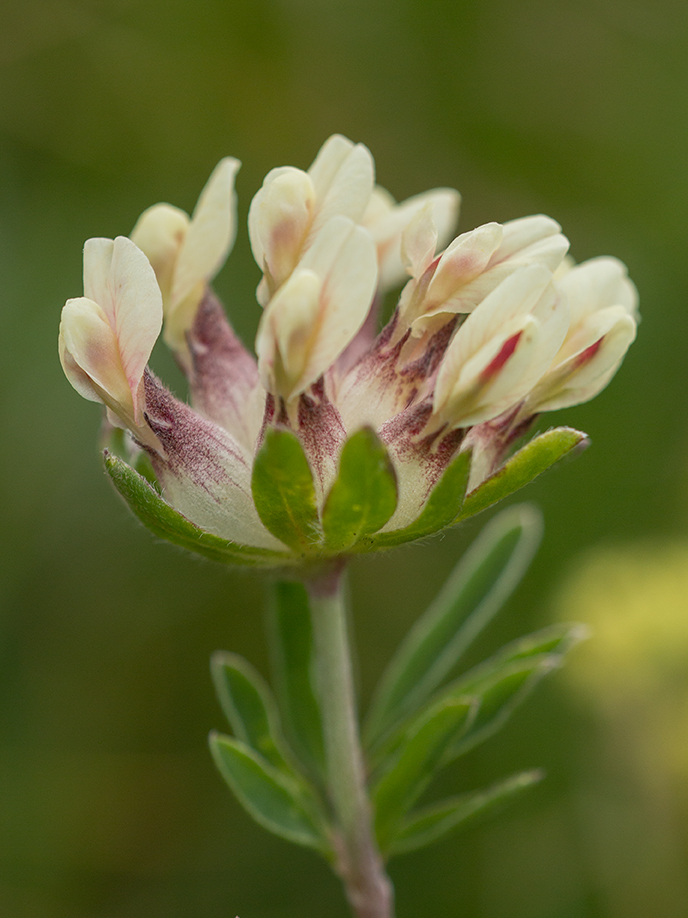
x=167, y=523
x=421, y=754
x=284, y=493
x=364, y=495
x=427, y=825
x=441, y=508
x=268, y=797
x=530, y=461
x=249, y=707
x=481, y=582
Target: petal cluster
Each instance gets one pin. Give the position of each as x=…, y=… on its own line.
x=492, y=327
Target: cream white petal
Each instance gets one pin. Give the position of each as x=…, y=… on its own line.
x=596, y=284
x=387, y=229
x=344, y=256
x=97, y=280
x=159, y=233
x=279, y=219
x=380, y=205
x=502, y=350
x=343, y=175
x=138, y=308
x=119, y=278
x=512, y=299
x=90, y=341
x=464, y=260
x=418, y=242
x=587, y=361
x=286, y=331
x=536, y=233
x=211, y=233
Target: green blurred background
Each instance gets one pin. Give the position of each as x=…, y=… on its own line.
x=109, y=803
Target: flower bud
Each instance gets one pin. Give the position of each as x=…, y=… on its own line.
x=473, y=265
x=107, y=336
x=501, y=350
x=603, y=303
x=186, y=254
x=292, y=206
x=317, y=312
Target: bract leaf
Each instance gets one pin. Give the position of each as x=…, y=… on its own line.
x=291, y=646
x=420, y=755
x=167, y=523
x=430, y=823
x=441, y=508
x=478, y=586
x=535, y=457
x=275, y=802
x=249, y=706
x=364, y=495
x=283, y=491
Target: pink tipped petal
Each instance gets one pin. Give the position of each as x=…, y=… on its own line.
x=464, y=260
x=501, y=350
x=586, y=363
x=512, y=299
x=531, y=240
x=91, y=344
x=211, y=232
x=279, y=219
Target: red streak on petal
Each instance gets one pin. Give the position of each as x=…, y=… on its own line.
x=497, y=362
x=588, y=353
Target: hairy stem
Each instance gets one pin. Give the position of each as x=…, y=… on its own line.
x=359, y=864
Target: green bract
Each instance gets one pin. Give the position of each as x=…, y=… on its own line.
x=356, y=508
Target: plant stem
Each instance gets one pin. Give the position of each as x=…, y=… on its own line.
x=359, y=863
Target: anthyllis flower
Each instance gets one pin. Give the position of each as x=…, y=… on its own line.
x=339, y=438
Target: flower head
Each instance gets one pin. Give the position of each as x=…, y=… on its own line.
x=337, y=437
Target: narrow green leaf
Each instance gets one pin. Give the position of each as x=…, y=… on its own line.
x=291, y=646
x=499, y=697
x=441, y=508
x=249, y=706
x=499, y=685
x=167, y=523
x=525, y=465
x=420, y=756
x=426, y=825
x=478, y=586
x=283, y=491
x=364, y=496
x=266, y=794
x=553, y=641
